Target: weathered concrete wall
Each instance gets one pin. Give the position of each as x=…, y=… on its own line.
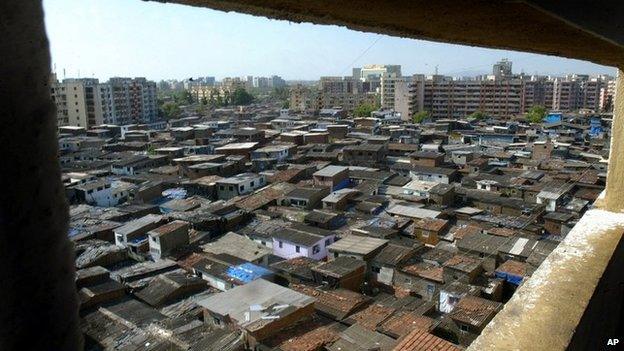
x=38, y=303
x=532, y=25
x=614, y=198
x=568, y=302
x=604, y=317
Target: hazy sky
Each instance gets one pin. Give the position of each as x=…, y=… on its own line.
x=104, y=38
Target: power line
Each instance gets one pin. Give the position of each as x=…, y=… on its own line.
x=360, y=56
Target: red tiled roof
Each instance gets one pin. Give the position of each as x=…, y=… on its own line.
x=189, y=261
x=431, y=224
x=506, y=232
x=262, y=197
x=286, y=175
x=466, y=230
x=420, y=340
x=371, y=316
x=311, y=341
x=513, y=267
x=474, y=310
x=338, y=303
x=404, y=322
x=426, y=271
x=460, y=261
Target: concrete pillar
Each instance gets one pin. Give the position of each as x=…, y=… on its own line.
x=38, y=302
x=614, y=194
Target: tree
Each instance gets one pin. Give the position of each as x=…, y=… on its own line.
x=151, y=150
x=226, y=98
x=204, y=101
x=280, y=93
x=183, y=97
x=536, y=114
x=364, y=110
x=200, y=109
x=241, y=97
x=419, y=117
x=477, y=115
x=171, y=110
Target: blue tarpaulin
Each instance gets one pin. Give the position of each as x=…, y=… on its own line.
x=174, y=193
x=595, y=127
x=513, y=279
x=553, y=117
x=342, y=184
x=247, y=272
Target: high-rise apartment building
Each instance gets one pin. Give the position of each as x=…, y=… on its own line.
x=371, y=75
x=276, y=82
x=500, y=94
x=371, y=72
x=86, y=102
x=606, y=96
x=129, y=101
x=502, y=69
x=566, y=94
x=388, y=86
x=504, y=94
x=77, y=102
x=268, y=82
x=590, y=92
x=536, y=91
x=446, y=97
x=210, y=80
x=402, y=97
x=345, y=92
x=261, y=82
x=303, y=98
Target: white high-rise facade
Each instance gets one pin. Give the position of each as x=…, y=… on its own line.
x=87, y=103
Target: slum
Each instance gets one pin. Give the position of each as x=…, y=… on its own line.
x=230, y=232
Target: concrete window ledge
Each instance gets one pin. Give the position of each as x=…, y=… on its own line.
x=573, y=301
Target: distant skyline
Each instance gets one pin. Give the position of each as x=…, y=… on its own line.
x=106, y=38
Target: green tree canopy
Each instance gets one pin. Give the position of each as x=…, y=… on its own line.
x=183, y=97
x=281, y=93
x=419, y=117
x=536, y=114
x=171, y=110
x=477, y=115
x=241, y=97
x=200, y=109
x=364, y=110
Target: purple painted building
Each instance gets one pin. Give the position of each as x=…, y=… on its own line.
x=302, y=241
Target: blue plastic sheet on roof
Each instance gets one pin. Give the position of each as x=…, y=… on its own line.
x=247, y=272
x=595, y=127
x=174, y=193
x=342, y=184
x=513, y=279
x=138, y=240
x=553, y=117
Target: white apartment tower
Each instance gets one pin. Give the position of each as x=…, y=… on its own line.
x=371, y=75
x=76, y=101
x=88, y=103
